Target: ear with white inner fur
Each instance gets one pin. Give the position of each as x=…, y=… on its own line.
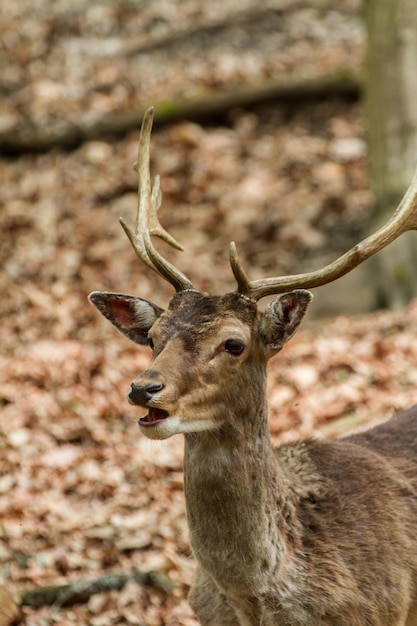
x=282, y=317
x=132, y=316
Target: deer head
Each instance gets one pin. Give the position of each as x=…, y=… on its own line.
x=210, y=352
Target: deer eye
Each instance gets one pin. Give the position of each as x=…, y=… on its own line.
x=234, y=347
x=150, y=343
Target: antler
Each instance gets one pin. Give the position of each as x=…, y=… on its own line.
x=404, y=218
x=147, y=223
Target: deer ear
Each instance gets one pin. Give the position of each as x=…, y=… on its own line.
x=132, y=316
x=282, y=317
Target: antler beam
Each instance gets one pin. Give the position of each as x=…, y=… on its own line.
x=147, y=223
x=404, y=219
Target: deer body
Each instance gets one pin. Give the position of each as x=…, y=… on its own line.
x=325, y=537
x=308, y=534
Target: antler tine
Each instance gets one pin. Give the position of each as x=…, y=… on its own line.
x=164, y=267
x=147, y=223
x=403, y=219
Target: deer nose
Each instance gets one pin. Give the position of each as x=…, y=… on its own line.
x=141, y=394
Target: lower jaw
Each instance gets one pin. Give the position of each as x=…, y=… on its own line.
x=157, y=429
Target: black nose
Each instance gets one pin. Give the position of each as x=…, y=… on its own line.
x=141, y=394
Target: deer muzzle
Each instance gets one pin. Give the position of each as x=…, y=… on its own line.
x=143, y=394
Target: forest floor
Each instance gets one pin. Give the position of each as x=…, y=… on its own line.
x=82, y=494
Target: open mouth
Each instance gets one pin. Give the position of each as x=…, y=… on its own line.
x=154, y=417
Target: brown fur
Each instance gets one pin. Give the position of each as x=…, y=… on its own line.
x=308, y=534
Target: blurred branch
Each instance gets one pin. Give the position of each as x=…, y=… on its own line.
x=240, y=18
x=28, y=137
x=81, y=590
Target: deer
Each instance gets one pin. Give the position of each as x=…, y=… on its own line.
x=314, y=532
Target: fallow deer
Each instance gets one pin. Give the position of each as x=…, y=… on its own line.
x=306, y=534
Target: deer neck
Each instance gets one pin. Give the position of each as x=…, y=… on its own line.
x=232, y=485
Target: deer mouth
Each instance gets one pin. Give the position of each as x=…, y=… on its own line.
x=154, y=417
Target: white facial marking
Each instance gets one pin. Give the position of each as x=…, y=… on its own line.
x=173, y=425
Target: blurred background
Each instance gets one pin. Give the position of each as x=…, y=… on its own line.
x=287, y=126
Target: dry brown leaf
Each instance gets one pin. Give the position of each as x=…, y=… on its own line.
x=10, y=612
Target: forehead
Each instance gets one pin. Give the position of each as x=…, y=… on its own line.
x=193, y=314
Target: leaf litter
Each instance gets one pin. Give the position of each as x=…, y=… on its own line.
x=81, y=493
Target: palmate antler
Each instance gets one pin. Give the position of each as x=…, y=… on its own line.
x=403, y=219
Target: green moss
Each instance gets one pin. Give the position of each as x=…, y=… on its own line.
x=400, y=275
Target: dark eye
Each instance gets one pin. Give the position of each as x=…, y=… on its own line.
x=150, y=343
x=234, y=347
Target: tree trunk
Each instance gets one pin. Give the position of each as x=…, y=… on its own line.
x=391, y=110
